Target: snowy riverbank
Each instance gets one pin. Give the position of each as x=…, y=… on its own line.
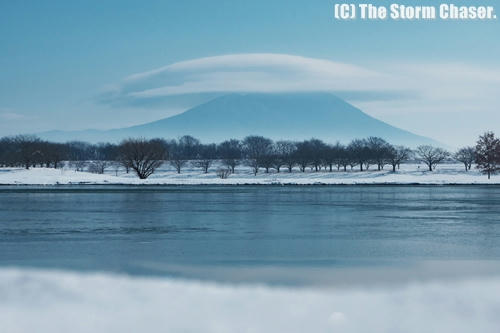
x=408, y=174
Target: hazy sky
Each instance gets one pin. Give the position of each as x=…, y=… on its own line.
x=107, y=64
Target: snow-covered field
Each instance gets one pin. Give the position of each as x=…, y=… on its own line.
x=56, y=301
x=408, y=174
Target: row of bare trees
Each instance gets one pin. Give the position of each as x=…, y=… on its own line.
x=30, y=151
x=259, y=153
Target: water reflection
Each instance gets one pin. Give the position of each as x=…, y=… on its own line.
x=119, y=228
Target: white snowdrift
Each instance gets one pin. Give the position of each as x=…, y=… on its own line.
x=409, y=174
x=52, y=301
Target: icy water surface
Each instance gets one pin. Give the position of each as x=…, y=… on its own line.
x=275, y=234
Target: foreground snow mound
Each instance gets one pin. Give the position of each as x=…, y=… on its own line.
x=409, y=174
x=51, y=301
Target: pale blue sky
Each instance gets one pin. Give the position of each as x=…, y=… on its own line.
x=57, y=58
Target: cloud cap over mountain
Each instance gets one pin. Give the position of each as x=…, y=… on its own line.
x=257, y=73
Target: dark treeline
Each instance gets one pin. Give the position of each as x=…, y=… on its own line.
x=259, y=153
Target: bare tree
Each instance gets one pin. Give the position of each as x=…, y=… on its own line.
x=398, y=155
x=330, y=155
x=379, y=151
x=318, y=152
x=269, y=160
x=116, y=167
x=7, y=152
x=125, y=163
x=106, y=151
x=206, y=156
x=53, y=153
x=466, y=155
x=309, y=153
x=189, y=146
x=432, y=156
x=277, y=159
x=303, y=155
x=102, y=155
x=230, y=153
x=285, y=150
x=203, y=164
x=358, y=149
x=177, y=163
x=488, y=154
x=256, y=148
x=28, y=149
x=177, y=156
x=143, y=156
x=98, y=166
x=223, y=173
x=343, y=156
x=181, y=151
x=78, y=150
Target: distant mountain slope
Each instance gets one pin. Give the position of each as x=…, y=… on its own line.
x=278, y=116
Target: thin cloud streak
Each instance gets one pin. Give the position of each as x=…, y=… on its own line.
x=6, y=114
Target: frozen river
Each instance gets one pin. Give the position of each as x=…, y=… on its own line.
x=275, y=234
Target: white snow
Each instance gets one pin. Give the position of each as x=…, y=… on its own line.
x=57, y=301
x=408, y=174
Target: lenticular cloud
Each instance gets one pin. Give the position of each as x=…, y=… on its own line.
x=69, y=302
x=381, y=88
x=264, y=73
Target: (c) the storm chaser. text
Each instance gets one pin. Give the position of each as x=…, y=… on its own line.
x=403, y=12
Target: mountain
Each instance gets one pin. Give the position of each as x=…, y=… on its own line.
x=294, y=116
